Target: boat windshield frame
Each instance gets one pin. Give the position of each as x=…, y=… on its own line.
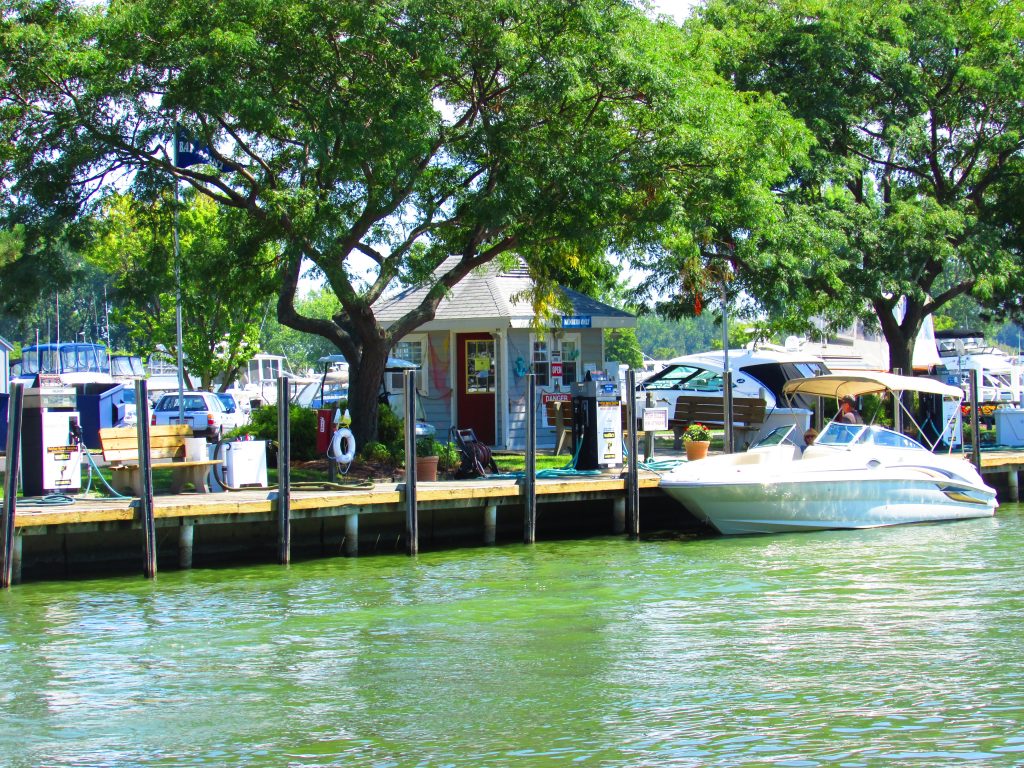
x=776, y=437
x=839, y=434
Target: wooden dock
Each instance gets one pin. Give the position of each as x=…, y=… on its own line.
x=479, y=502
x=471, y=504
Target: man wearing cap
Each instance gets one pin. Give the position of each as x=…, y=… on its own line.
x=848, y=413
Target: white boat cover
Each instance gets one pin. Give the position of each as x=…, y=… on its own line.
x=867, y=383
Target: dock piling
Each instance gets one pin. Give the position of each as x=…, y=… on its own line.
x=186, y=539
x=975, y=421
x=284, y=478
x=351, y=541
x=632, y=472
x=146, y=507
x=11, y=542
x=490, y=524
x=530, y=475
x=412, y=523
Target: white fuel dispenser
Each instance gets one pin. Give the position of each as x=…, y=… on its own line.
x=597, y=422
x=51, y=446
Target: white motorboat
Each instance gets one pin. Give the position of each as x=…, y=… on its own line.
x=852, y=476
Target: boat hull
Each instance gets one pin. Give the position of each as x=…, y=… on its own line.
x=833, y=500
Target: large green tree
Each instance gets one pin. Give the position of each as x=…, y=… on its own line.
x=226, y=278
x=393, y=133
x=908, y=201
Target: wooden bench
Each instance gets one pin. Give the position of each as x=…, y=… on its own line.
x=559, y=416
x=748, y=414
x=120, y=447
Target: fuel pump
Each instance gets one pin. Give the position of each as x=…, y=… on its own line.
x=597, y=422
x=51, y=442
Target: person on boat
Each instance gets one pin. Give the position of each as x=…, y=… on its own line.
x=809, y=436
x=848, y=413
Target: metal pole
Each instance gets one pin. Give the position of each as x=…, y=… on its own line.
x=146, y=471
x=412, y=520
x=530, y=475
x=284, y=476
x=727, y=410
x=11, y=472
x=975, y=421
x=897, y=410
x=177, y=296
x=632, y=473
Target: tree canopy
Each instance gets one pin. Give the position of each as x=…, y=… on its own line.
x=909, y=199
x=393, y=133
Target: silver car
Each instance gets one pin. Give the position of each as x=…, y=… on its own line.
x=203, y=411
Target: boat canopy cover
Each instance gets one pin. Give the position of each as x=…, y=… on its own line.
x=867, y=383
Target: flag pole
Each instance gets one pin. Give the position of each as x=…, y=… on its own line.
x=177, y=293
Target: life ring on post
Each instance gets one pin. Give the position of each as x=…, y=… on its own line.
x=334, y=451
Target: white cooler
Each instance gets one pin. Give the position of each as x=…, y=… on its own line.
x=1010, y=426
x=245, y=464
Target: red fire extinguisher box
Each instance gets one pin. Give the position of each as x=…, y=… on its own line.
x=324, y=429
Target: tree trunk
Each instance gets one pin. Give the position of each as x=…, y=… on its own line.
x=363, y=390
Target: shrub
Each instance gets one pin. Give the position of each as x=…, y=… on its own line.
x=426, y=446
x=376, y=452
x=263, y=426
x=449, y=457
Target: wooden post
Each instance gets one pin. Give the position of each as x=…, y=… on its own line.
x=975, y=421
x=632, y=472
x=11, y=472
x=727, y=416
x=284, y=472
x=146, y=475
x=412, y=522
x=490, y=524
x=352, y=535
x=530, y=476
x=1013, y=486
x=186, y=540
x=649, y=436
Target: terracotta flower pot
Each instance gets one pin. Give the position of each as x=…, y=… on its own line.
x=696, y=449
x=426, y=468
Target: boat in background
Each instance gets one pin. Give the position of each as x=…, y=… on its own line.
x=999, y=375
x=852, y=476
x=74, y=363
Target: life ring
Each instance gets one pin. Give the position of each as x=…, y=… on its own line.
x=334, y=452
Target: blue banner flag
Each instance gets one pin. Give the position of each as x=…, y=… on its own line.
x=188, y=152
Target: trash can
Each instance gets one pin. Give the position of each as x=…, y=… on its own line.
x=100, y=405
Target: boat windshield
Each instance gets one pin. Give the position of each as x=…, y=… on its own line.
x=776, y=437
x=838, y=433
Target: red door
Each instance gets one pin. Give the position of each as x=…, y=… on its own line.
x=476, y=383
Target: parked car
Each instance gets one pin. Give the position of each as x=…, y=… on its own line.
x=237, y=409
x=204, y=412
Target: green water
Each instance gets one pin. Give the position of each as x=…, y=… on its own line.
x=889, y=647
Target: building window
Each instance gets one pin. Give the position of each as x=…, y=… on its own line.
x=414, y=349
x=541, y=347
x=540, y=358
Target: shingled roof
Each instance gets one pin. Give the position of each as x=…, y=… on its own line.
x=485, y=297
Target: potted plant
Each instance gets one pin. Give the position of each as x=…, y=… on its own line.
x=426, y=459
x=696, y=440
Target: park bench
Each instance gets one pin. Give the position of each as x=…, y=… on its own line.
x=120, y=446
x=748, y=415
